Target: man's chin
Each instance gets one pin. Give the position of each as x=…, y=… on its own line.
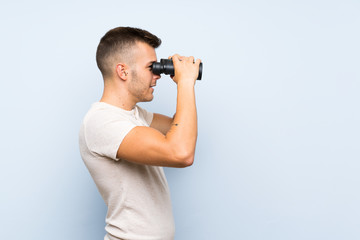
x=149, y=99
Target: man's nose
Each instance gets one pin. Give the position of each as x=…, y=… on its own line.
x=157, y=77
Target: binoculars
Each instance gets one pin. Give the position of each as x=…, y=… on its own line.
x=166, y=66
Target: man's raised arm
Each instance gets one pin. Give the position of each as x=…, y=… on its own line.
x=146, y=145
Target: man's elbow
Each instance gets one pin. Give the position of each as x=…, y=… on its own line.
x=185, y=159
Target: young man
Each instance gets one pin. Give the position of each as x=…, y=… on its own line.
x=125, y=147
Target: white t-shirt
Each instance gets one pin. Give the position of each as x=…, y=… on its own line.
x=137, y=195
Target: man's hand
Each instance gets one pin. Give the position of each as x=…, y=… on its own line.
x=186, y=69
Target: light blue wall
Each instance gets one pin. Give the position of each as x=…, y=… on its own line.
x=278, y=148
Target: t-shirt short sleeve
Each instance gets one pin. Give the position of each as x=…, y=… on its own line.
x=104, y=133
x=148, y=116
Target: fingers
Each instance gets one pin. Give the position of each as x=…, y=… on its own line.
x=197, y=62
x=178, y=58
x=191, y=59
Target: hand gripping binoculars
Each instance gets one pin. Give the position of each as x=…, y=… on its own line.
x=166, y=66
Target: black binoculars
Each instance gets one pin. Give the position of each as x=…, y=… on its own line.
x=166, y=66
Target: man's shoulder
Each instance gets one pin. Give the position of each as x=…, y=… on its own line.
x=101, y=113
x=105, y=109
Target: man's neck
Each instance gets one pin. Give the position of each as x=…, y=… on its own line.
x=119, y=99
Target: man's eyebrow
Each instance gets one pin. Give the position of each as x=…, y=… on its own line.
x=151, y=62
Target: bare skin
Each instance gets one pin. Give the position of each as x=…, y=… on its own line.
x=168, y=141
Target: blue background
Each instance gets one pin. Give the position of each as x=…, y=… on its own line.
x=278, y=147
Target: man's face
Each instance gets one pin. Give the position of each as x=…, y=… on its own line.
x=142, y=80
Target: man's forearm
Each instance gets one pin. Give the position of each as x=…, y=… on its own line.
x=183, y=132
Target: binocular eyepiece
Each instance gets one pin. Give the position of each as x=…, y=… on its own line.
x=166, y=66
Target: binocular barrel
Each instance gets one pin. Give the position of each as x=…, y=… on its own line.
x=166, y=66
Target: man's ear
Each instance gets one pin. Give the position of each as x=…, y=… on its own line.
x=122, y=71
